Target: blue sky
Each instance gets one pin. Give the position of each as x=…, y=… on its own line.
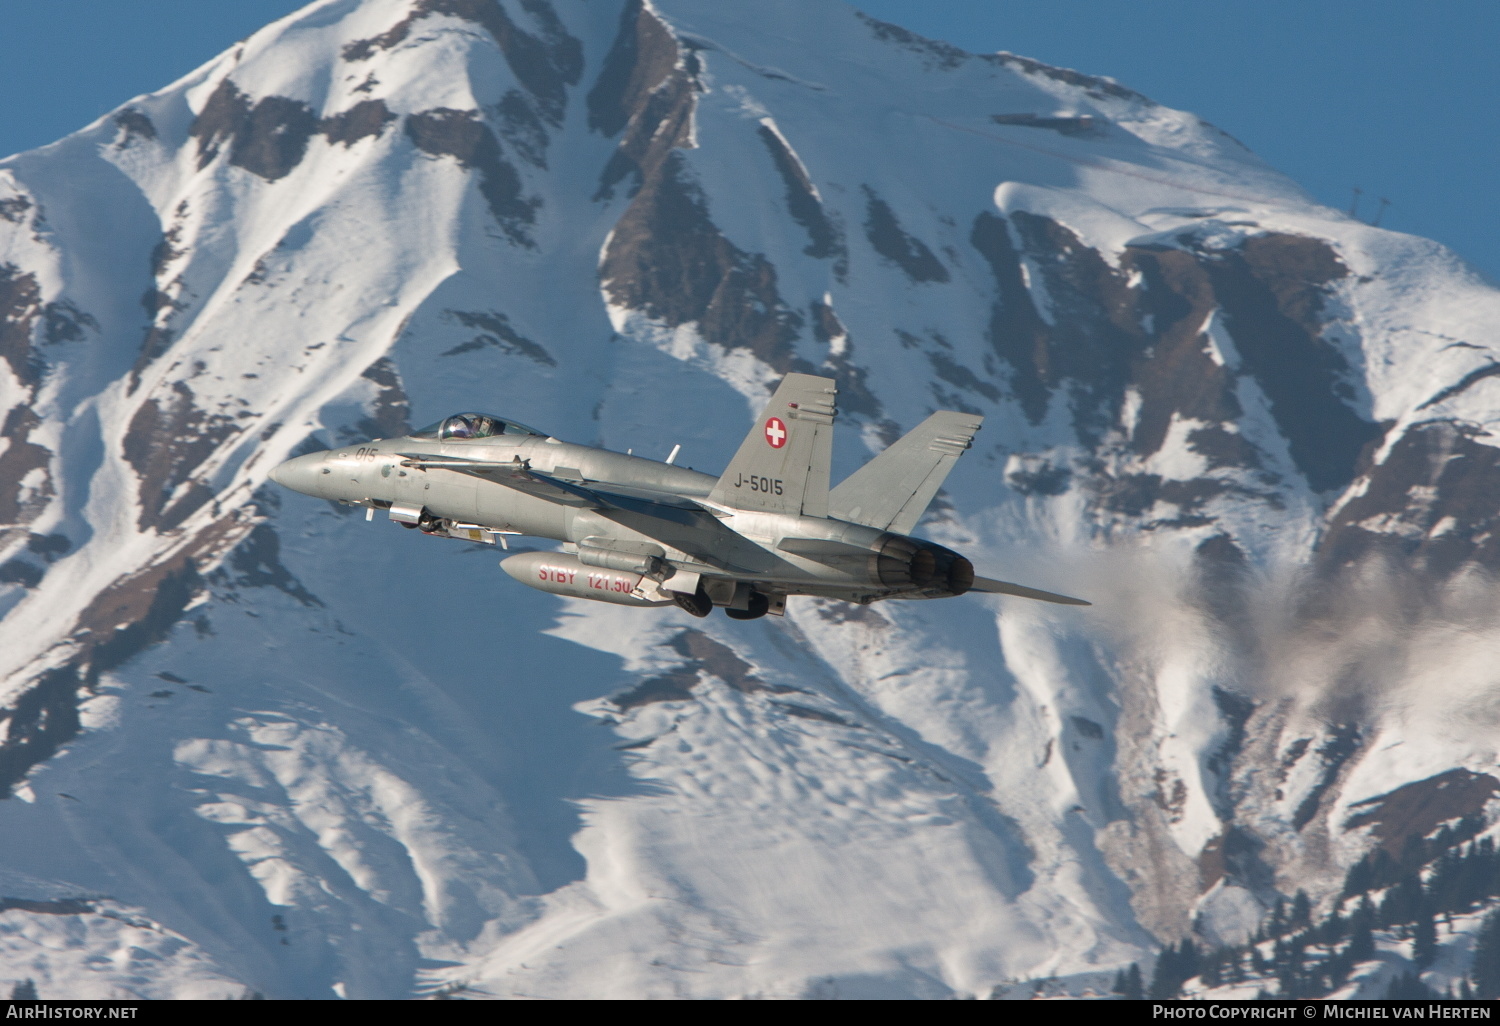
x=1400, y=98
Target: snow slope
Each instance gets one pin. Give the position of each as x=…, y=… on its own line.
x=305, y=756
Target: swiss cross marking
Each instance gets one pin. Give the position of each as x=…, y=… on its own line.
x=775, y=433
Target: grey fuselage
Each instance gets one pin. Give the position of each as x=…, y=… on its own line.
x=856, y=562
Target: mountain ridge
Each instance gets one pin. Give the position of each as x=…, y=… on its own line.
x=633, y=224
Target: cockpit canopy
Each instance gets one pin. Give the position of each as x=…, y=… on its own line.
x=474, y=425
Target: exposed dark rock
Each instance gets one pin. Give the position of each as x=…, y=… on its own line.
x=522, y=129
x=462, y=135
x=890, y=241
x=1017, y=332
x=1033, y=475
x=1136, y=495
x=854, y=392
x=62, y=321
x=267, y=139
x=703, y=655
x=20, y=308
x=270, y=137
x=1105, y=334
x=13, y=208
x=565, y=52
x=957, y=374
x=256, y=563
x=140, y=609
x=1087, y=727
x=1343, y=741
x=133, y=613
x=1471, y=378
x=366, y=118
x=933, y=53
x=154, y=300
x=1271, y=290
x=1132, y=495
x=1085, y=125
x=544, y=66
x=49, y=546
x=946, y=57
x=648, y=89
x=676, y=686
x=808, y=713
x=162, y=254
x=1235, y=710
x=1236, y=855
x=824, y=240
x=390, y=415
x=668, y=260
x=19, y=571
x=1435, y=500
x=826, y=325
x=1417, y=809
x=168, y=439
x=1094, y=341
x=1091, y=84
x=155, y=341
x=1170, y=794
x=42, y=719
x=133, y=125
x=1178, y=378
x=19, y=459
x=499, y=334
x=643, y=54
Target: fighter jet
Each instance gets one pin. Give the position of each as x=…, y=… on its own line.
x=639, y=532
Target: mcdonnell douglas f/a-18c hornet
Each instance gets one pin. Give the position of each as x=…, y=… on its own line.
x=642, y=533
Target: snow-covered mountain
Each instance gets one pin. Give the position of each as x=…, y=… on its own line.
x=258, y=745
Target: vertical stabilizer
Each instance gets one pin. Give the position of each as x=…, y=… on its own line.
x=893, y=490
x=783, y=464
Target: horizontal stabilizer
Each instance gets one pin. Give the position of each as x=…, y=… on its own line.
x=985, y=584
x=893, y=490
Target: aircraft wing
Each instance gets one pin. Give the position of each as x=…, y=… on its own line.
x=672, y=520
x=513, y=475
x=993, y=587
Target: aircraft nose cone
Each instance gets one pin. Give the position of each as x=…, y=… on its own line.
x=300, y=474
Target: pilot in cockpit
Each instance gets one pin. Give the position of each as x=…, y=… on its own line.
x=473, y=425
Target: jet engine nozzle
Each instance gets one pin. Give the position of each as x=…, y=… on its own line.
x=900, y=561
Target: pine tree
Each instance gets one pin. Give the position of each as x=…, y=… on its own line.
x=1189, y=959
x=1362, y=932
x=1424, y=936
x=1210, y=972
x=1358, y=879
x=1277, y=926
x=1133, y=989
x=24, y=991
x=1119, y=987
x=1408, y=987
x=1301, y=911
x=1165, y=982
